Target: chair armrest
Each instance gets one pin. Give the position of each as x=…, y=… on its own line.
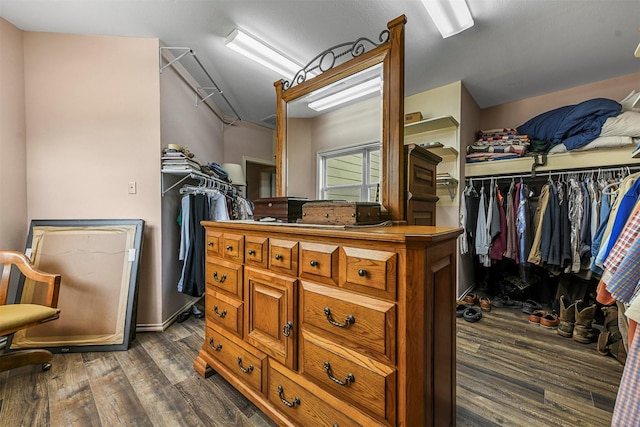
x=30, y=272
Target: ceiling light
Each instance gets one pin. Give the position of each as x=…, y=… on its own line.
x=256, y=50
x=346, y=95
x=450, y=16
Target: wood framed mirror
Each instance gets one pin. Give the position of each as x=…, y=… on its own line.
x=302, y=136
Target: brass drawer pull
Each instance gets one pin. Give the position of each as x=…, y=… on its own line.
x=245, y=370
x=348, y=379
x=279, y=257
x=348, y=321
x=296, y=400
x=313, y=263
x=221, y=279
x=362, y=272
x=220, y=315
x=251, y=252
x=217, y=347
x=286, y=329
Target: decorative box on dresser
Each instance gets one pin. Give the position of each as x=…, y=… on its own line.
x=332, y=326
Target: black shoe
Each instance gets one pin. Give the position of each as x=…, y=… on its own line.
x=183, y=316
x=197, y=312
x=472, y=314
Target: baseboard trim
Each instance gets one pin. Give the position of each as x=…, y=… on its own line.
x=161, y=327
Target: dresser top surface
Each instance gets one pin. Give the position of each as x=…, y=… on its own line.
x=384, y=232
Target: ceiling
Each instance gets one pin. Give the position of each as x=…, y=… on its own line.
x=517, y=48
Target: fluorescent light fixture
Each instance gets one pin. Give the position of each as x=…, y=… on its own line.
x=256, y=50
x=450, y=16
x=346, y=95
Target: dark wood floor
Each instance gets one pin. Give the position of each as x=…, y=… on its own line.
x=510, y=373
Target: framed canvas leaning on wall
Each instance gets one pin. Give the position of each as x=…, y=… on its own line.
x=99, y=261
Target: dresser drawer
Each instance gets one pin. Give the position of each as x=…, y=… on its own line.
x=256, y=250
x=214, y=240
x=356, y=321
x=351, y=377
x=283, y=256
x=233, y=247
x=319, y=262
x=225, y=311
x=369, y=271
x=225, y=276
x=248, y=363
x=303, y=406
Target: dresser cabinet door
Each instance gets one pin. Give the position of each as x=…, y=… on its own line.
x=271, y=321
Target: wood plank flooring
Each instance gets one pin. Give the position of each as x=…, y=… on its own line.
x=510, y=373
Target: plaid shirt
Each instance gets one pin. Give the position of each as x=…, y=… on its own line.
x=627, y=409
x=622, y=245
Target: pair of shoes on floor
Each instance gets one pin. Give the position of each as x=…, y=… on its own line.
x=545, y=319
x=506, y=302
x=186, y=314
x=475, y=299
x=576, y=321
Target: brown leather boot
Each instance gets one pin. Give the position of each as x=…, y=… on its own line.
x=567, y=318
x=582, y=331
x=610, y=340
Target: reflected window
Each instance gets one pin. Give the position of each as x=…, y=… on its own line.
x=351, y=174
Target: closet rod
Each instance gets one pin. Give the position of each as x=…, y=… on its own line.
x=550, y=173
x=204, y=179
x=187, y=50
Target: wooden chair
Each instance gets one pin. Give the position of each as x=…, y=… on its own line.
x=15, y=317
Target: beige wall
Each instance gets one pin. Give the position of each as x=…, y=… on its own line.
x=13, y=151
x=200, y=130
x=81, y=117
x=516, y=113
x=248, y=139
x=93, y=125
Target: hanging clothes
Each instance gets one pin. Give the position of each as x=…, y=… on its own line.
x=511, y=251
x=194, y=276
x=499, y=243
x=482, y=235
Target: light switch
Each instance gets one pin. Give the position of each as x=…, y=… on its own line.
x=132, y=187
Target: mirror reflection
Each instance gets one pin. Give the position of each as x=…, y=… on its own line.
x=334, y=139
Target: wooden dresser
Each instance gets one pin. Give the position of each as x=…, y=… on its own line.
x=334, y=327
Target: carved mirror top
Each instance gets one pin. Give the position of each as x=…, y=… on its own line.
x=379, y=65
